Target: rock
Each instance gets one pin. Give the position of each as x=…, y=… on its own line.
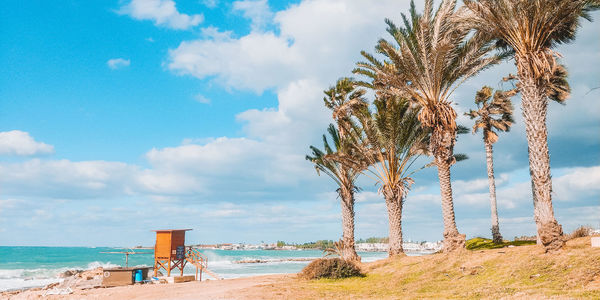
x=69, y=273
x=91, y=273
x=51, y=285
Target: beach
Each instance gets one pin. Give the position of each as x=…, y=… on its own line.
x=209, y=289
x=522, y=272
x=30, y=267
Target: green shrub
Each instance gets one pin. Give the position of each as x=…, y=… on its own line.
x=479, y=243
x=330, y=268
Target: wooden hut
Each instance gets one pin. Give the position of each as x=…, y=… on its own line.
x=169, y=250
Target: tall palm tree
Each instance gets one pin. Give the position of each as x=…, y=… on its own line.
x=491, y=116
x=530, y=29
x=430, y=56
x=341, y=99
x=325, y=161
x=390, y=140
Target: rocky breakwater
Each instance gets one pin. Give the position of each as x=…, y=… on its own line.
x=264, y=261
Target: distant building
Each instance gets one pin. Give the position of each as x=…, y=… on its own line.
x=408, y=247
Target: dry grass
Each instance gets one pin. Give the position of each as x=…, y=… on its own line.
x=521, y=272
x=581, y=231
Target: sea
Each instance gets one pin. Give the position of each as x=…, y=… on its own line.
x=26, y=267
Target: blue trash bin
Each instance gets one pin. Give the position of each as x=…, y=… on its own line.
x=139, y=276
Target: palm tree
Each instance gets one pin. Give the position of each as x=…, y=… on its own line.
x=494, y=115
x=529, y=30
x=344, y=176
x=341, y=99
x=390, y=140
x=430, y=56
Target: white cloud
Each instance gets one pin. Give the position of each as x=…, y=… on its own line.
x=161, y=12
x=117, y=63
x=255, y=62
x=67, y=179
x=20, y=143
x=201, y=99
x=210, y=3
x=577, y=183
x=322, y=49
x=257, y=11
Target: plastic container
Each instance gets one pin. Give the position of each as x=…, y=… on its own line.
x=139, y=277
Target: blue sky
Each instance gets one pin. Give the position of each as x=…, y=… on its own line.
x=118, y=117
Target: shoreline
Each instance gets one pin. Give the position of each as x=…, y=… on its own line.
x=60, y=276
x=206, y=289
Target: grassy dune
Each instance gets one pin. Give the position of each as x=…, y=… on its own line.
x=517, y=272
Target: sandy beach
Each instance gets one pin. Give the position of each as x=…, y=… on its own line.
x=238, y=288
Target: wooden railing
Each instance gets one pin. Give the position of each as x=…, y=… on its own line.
x=195, y=257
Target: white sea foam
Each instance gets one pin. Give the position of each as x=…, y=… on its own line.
x=96, y=264
x=27, y=278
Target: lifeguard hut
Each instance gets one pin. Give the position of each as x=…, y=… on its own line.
x=170, y=253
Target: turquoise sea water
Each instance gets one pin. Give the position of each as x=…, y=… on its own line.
x=22, y=267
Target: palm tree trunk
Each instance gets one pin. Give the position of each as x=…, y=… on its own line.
x=453, y=240
x=442, y=149
x=535, y=105
x=347, y=199
x=489, y=154
x=394, y=203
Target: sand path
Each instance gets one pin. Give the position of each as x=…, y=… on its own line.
x=212, y=289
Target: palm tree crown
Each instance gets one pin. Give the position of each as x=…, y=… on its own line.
x=327, y=161
x=391, y=139
x=494, y=115
x=341, y=99
x=529, y=29
x=434, y=56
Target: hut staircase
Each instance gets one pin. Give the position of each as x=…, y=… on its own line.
x=200, y=261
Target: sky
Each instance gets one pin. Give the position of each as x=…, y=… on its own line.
x=120, y=117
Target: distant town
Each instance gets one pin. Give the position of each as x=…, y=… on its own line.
x=368, y=245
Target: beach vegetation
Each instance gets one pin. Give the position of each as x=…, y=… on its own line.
x=320, y=244
x=374, y=240
x=333, y=268
x=581, y=231
x=479, y=243
x=529, y=30
x=493, y=114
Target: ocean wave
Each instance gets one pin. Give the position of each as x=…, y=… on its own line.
x=97, y=264
x=27, y=278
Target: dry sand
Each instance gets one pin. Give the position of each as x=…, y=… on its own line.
x=211, y=289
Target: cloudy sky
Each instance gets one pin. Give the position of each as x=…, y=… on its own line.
x=119, y=117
